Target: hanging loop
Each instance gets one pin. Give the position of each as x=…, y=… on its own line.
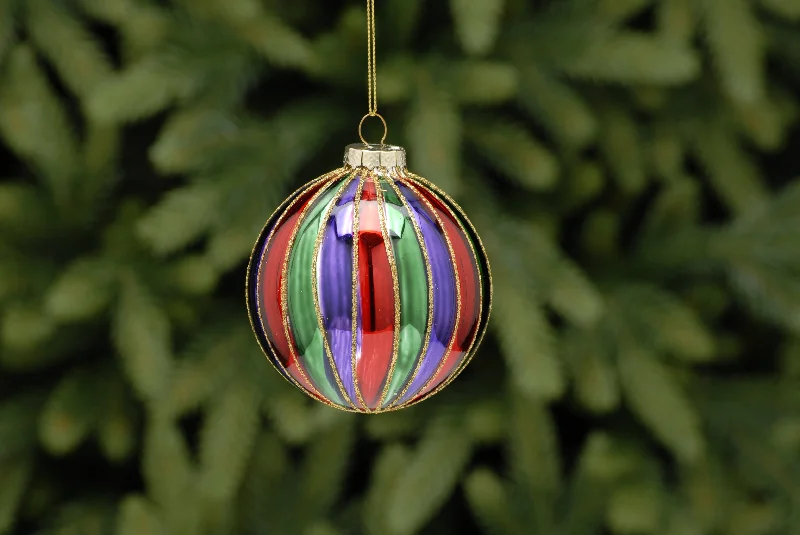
x=361, y=124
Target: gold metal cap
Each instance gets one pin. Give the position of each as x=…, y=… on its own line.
x=372, y=156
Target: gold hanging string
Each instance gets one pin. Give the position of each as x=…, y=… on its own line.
x=371, y=69
x=372, y=75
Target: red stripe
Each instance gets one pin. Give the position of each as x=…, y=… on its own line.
x=377, y=300
x=468, y=279
x=271, y=280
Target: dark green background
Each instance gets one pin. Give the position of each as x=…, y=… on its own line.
x=629, y=165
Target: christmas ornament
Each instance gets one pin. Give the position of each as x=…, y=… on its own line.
x=368, y=288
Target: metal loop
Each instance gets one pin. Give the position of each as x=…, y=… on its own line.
x=361, y=124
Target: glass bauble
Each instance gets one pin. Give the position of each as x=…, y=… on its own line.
x=369, y=289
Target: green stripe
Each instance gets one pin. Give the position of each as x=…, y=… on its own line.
x=302, y=313
x=413, y=280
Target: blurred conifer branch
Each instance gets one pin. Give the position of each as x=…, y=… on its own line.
x=610, y=152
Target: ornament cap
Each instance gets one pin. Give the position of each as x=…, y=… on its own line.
x=374, y=156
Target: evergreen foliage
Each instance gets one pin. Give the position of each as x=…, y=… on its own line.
x=628, y=163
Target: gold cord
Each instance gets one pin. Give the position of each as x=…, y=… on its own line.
x=371, y=68
x=372, y=75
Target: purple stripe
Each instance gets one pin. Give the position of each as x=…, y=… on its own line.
x=359, y=336
x=349, y=194
x=335, y=286
x=444, y=291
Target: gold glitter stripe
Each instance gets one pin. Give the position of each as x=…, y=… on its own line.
x=387, y=243
x=429, y=272
x=463, y=229
x=315, y=286
x=453, y=337
x=285, y=292
x=482, y=321
x=283, y=209
x=354, y=282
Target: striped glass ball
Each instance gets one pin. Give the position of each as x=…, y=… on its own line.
x=369, y=289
